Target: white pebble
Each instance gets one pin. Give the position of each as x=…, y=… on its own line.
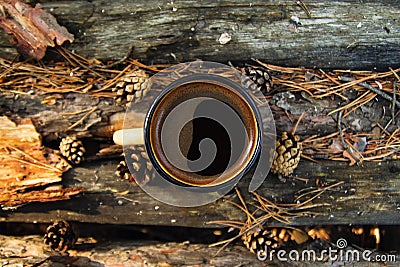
x=295, y=19
x=224, y=38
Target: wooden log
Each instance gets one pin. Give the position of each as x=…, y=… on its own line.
x=346, y=34
x=28, y=251
x=108, y=200
x=368, y=195
x=52, y=121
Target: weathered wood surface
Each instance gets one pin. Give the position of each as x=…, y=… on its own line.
x=332, y=38
x=369, y=195
x=340, y=34
x=28, y=251
x=53, y=121
x=26, y=165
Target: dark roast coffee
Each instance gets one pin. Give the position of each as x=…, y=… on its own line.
x=202, y=133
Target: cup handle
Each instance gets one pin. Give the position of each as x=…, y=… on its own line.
x=128, y=137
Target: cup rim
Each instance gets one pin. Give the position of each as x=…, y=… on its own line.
x=215, y=80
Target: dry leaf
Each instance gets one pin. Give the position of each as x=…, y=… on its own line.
x=32, y=30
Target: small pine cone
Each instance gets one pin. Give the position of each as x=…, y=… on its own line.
x=72, y=149
x=131, y=88
x=287, y=154
x=259, y=239
x=142, y=167
x=261, y=77
x=60, y=236
x=123, y=172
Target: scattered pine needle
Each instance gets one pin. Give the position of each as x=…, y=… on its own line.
x=261, y=211
x=78, y=74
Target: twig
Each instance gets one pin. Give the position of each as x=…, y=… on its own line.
x=373, y=89
x=298, y=121
x=268, y=209
x=40, y=166
x=81, y=120
x=304, y=7
x=277, y=68
x=76, y=112
x=35, y=162
x=344, y=143
x=66, y=53
x=339, y=125
x=143, y=66
x=394, y=99
x=248, y=214
x=319, y=191
x=113, y=80
x=311, y=159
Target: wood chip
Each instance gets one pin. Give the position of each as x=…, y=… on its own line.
x=32, y=30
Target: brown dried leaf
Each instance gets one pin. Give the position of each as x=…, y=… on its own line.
x=32, y=30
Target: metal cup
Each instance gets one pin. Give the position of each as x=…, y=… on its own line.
x=202, y=130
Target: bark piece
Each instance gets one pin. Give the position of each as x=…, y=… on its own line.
x=12, y=200
x=32, y=30
x=25, y=164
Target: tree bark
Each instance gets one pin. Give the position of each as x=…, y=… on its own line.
x=53, y=121
x=347, y=34
x=27, y=251
x=368, y=195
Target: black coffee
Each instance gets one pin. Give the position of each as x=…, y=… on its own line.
x=203, y=133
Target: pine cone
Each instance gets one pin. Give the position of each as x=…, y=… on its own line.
x=143, y=169
x=72, y=149
x=123, y=172
x=60, y=236
x=131, y=88
x=287, y=154
x=261, y=77
x=259, y=239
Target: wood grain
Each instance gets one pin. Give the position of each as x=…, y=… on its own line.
x=27, y=251
x=368, y=195
x=340, y=34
